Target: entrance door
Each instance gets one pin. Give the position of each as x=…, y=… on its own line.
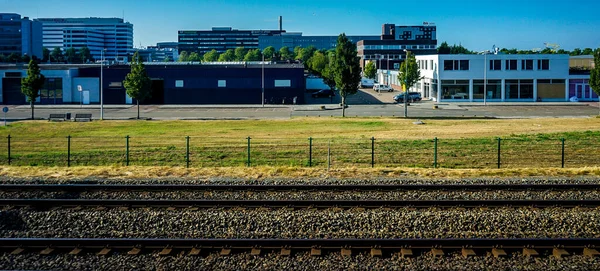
x=579, y=91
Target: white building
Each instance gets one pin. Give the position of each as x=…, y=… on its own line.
x=527, y=78
x=113, y=35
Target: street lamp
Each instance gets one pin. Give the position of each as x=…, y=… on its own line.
x=485, y=53
x=102, y=84
x=263, y=80
x=406, y=83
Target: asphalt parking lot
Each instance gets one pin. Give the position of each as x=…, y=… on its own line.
x=366, y=103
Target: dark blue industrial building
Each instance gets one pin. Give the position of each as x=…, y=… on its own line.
x=172, y=83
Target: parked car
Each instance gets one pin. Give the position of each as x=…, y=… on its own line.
x=323, y=93
x=367, y=83
x=412, y=97
x=382, y=87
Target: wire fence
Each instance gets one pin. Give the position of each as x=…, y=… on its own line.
x=197, y=151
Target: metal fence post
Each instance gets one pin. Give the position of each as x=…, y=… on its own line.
x=127, y=150
x=187, y=152
x=435, y=152
x=69, y=151
x=248, y=160
x=8, y=149
x=562, y=140
x=372, y=151
x=498, y=152
x=310, y=151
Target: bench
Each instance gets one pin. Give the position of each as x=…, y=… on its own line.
x=83, y=117
x=57, y=117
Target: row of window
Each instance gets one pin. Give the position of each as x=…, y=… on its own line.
x=425, y=64
x=496, y=65
x=394, y=47
x=223, y=83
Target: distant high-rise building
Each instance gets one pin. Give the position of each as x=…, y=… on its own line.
x=113, y=35
x=292, y=40
x=20, y=35
x=221, y=39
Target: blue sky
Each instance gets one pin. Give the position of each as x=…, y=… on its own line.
x=478, y=25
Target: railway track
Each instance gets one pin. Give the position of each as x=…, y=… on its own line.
x=49, y=203
x=378, y=247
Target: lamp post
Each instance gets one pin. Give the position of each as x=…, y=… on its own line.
x=102, y=84
x=406, y=83
x=263, y=80
x=485, y=75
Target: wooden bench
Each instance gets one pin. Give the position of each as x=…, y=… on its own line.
x=83, y=117
x=57, y=117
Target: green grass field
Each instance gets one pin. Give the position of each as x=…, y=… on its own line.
x=462, y=144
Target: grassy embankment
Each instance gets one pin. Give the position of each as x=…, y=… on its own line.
x=281, y=147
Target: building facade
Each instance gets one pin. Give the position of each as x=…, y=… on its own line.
x=172, y=83
x=221, y=39
x=292, y=40
x=20, y=36
x=497, y=78
x=113, y=35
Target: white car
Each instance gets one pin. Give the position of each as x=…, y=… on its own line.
x=382, y=87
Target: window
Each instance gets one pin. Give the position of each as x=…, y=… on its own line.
x=448, y=65
x=115, y=84
x=425, y=64
x=455, y=65
x=431, y=64
x=527, y=64
x=543, y=64
x=178, y=83
x=283, y=83
x=464, y=65
x=495, y=65
x=222, y=83
x=511, y=64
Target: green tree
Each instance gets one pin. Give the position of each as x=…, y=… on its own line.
x=444, y=49
x=195, y=57
x=57, y=55
x=328, y=74
x=318, y=62
x=563, y=52
x=346, y=69
x=25, y=58
x=211, y=56
x=576, y=52
x=509, y=51
x=31, y=85
x=228, y=56
x=408, y=75
x=168, y=59
x=370, y=70
x=459, y=49
x=595, y=75
x=240, y=53
x=13, y=58
x=253, y=55
x=137, y=83
x=184, y=56
x=269, y=53
x=297, y=52
x=71, y=55
x=46, y=54
x=285, y=54
x=306, y=53
x=85, y=54
x=2, y=58
x=587, y=52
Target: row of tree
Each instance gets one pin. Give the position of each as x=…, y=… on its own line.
x=445, y=49
x=71, y=55
x=243, y=54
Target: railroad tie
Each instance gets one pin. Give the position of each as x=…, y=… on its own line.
x=225, y=251
x=376, y=252
x=165, y=251
x=498, y=252
x=134, y=251
x=195, y=251
x=437, y=252
x=530, y=252
x=346, y=252
x=46, y=251
x=104, y=251
x=17, y=251
x=171, y=208
x=255, y=251
x=559, y=252
x=468, y=252
x=285, y=251
x=590, y=252
x=406, y=252
x=75, y=251
x=315, y=251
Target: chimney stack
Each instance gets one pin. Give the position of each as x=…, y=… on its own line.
x=280, y=23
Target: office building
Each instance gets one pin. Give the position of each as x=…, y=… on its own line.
x=292, y=40
x=113, y=35
x=220, y=39
x=20, y=36
x=156, y=54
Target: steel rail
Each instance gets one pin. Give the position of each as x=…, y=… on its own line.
x=46, y=203
x=244, y=187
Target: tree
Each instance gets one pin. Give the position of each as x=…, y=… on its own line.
x=240, y=53
x=297, y=52
x=576, y=52
x=459, y=49
x=269, y=53
x=137, y=83
x=2, y=58
x=13, y=57
x=85, y=54
x=168, y=59
x=346, y=69
x=317, y=63
x=444, y=49
x=408, y=75
x=25, y=58
x=57, y=55
x=71, y=55
x=304, y=54
x=195, y=57
x=253, y=55
x=588, y=52
x=228, y=56
x=285, y=54
x=211, y=56
x=46, y=54
x=184, y=56
x=31, y=85
x=370, y=70
x=595, y=75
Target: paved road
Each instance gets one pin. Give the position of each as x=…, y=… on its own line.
x=366, y=103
